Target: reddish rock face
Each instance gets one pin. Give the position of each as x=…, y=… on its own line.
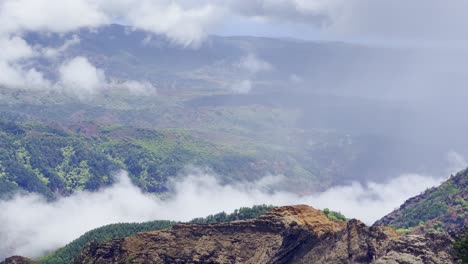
x=291, y=234
x=17, y=260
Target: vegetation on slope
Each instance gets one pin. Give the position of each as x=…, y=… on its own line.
x=334, y=216
x=68, y=253
x=242, y=213
x=443, y=208
x=48, y=160
x=461, y=249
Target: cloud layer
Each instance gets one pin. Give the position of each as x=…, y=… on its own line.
x=30, y=226
x=188, y=22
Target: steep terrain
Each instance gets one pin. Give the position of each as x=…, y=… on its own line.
x=442, y=208
x=291, y=234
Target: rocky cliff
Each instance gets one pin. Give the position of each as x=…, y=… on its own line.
x=291, y=234
x=17, y=260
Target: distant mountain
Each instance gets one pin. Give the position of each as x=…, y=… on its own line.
x=442, y=208
x=127, y=53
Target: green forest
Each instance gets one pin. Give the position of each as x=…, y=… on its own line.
x=50, y=160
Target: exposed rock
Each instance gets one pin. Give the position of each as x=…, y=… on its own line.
x=291, y=234
x=17, y=260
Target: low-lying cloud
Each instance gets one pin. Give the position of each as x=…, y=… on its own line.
x=77, y=77
x=249, y=67
x=242, y=87
x=81, y=77
x=254, y=64
x=31, y=226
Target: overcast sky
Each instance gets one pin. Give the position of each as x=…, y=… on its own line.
x=188, y=22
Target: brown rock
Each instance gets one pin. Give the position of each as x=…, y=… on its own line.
x=291, y=234
x=17, y=260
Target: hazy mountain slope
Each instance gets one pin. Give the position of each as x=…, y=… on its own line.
x=127, y=53
x=441, y=208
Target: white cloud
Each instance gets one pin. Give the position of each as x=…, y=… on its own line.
x=250, y=66
x=16, y=76
x=14, y=48
x=50, y=52
x=184, y=25
x=135, y=87
x=49, y=15
x=81, y=78
x=295, y=78
x=254, y=64
x=30, y=226
x=13, y=74
x=183, y=22
x=242, y=87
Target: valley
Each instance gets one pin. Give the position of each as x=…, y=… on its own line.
x=233, y=132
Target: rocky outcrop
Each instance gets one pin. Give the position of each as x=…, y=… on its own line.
x=17, y=260
x=291, y=234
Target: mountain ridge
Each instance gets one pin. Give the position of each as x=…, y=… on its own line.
x=290, y=234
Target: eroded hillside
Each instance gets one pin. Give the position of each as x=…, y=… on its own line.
x=292, y=234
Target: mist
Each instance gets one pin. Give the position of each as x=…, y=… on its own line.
x=31, y=226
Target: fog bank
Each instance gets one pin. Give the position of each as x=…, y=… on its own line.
x=30, y=226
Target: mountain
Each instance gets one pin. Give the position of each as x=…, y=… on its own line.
x=306, y=117
x=442, y=208
x=291, y=234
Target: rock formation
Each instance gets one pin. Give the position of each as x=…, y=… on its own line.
x=17, y=260
x=291, y=234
